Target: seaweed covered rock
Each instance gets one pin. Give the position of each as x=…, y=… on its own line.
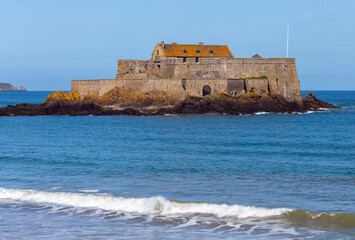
x=63, y=108
x=233, y=105
x=52, y=108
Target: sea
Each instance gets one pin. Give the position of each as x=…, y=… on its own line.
x=262, y=176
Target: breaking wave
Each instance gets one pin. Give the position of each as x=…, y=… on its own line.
x=153, y=205
x=163, y=207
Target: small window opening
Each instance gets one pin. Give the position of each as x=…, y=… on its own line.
x=184, y=59
x=157, y=52
x=196, y=60
x=198, y=52
x=277, y=81
x=159, y=66
x=211, y=52
x=184, y=51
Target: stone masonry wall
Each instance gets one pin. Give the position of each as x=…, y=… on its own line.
x=173, y=86
x=281, y=72
x=182, y=77
x=257, y=85
x=85, y=87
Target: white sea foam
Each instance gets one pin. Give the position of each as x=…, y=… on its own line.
x=308, y=112
x=320, y=110
x=191, y=222
x=89, y=190
x=154, y=205
x=261, y=113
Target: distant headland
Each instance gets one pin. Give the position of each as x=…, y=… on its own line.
x=7, y=87
x=184, y=79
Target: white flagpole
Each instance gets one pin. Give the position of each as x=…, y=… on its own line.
x=288, y=34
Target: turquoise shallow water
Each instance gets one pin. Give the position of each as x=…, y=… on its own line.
x=178, y=177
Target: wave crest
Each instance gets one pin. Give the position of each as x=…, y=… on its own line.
x=153, y=205
x=161, y=206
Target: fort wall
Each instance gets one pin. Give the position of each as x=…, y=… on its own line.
x=85, y=87
x=181, y=77
x=176, y=87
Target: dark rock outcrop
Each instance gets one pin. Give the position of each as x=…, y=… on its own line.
x=234, y=105
x=312, y=103
x=249, y=103
x=62, y=108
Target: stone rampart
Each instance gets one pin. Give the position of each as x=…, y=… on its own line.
x=85, y=87
x=181, y=77
x=176, y=87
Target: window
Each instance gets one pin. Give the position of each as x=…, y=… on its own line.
x=184, y=51
x=211, y=52
x=157, y=52
x=196, y=60
x=184, y=59
x=198, y=52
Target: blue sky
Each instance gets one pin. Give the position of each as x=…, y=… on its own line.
x=45, y=44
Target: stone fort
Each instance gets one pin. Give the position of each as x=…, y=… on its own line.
x=199, y=70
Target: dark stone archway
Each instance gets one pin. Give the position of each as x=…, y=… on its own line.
x=206, y=90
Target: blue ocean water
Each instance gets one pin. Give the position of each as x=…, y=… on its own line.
x=265, y=176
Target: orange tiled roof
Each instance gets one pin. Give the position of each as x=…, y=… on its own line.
x=196, y=50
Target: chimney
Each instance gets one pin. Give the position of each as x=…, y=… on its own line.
x=174, y=43
x=200, y=43
x=162, y=44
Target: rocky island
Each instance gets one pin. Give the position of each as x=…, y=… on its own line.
x=129, y=102
x=184, y=79
x=7, y=87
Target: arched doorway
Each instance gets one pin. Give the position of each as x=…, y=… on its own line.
x=206, y=90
